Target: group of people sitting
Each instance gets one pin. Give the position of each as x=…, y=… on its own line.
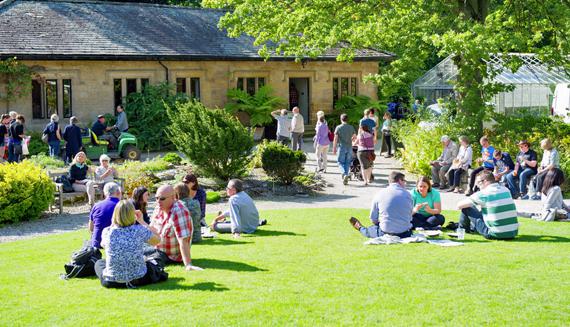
x=524, y=177
x=396, y=211
x=136, y=243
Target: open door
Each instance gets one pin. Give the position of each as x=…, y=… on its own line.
x=299, y=96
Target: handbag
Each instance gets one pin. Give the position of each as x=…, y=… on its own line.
x=371, y=156
x=25, y=150
x=45, y=138
x=331, y=136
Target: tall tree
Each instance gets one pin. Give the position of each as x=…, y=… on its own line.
x=470, y=30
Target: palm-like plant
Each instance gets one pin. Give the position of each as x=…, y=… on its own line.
x=258, y=106
x=354, y=105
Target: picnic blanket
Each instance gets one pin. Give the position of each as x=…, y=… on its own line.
x=416, y=238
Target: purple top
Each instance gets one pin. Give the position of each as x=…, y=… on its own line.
x=201, y=197
x=322, y=137
x=365, y=141
x=101, y=216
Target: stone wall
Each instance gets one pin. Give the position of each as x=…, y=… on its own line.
x=92, y=81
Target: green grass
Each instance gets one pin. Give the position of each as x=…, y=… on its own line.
x=307, y=267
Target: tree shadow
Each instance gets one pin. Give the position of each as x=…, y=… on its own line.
x=225, y=265
x=540, y=239
x=266, y=232
x=219, y=241
x=174, y=284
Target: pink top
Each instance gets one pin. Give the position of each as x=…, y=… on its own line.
x=365, y=141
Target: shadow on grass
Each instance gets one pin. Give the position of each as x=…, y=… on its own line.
x=219, y=241
x=173, y=283
x=541, y=239
x=267, y=232
x=225, y=265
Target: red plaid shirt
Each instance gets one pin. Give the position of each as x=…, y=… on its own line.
x=172, y=226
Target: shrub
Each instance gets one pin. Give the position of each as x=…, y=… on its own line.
x=25, y=192
x=354, y=106
x=214, y=141
x=256, y=160
x=133, y=181
x=36, y=145
x=147, y=116
x=173, y=158
x=282, y=163
x=305, y=180
x=258, y=106
x=46, y=161
x=150, y=166
x=213, y=197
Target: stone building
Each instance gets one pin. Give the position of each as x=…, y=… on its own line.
x=89, y=55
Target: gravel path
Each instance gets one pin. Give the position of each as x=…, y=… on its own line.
x=336, y=195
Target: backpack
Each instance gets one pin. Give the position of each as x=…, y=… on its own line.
x=65, y=182
x=82, y=262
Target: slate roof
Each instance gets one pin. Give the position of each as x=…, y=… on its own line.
x=77, y=29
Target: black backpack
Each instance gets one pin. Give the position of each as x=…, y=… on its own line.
x=82, y=262
x=66, y=183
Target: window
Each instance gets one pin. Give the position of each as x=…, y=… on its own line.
x=131, y=85
x=250, y=84
x=344, y=86
x=118, y=92
x=125, y=86
x=182, y=87
x=51, y=96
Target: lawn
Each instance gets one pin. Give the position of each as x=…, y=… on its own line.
x=306, y=267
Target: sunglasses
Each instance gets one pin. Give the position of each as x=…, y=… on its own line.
x=162, y=198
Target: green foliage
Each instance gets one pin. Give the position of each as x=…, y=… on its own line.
x=256, y=160
x=258, y=106
x=146, y=112
x=173, y=158
x=153, y=165
x=25, y=192
x=36, y=145
x=133, y=181
x=110, y=119
x=354, y=107
x=213, y=197
x=17, y=77
x=305, y=180
x=214, y=141
x=282, y=163
x=45, y=161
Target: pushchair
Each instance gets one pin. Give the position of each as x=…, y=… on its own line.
x=355, y=171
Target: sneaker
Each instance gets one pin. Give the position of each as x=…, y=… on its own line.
x=452, y=226
x=525, y=197
x=435, y=185
x=355, y=223
x=345, y=180
x=535, y=197
x=263, y=222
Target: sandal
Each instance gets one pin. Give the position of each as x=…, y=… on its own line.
x=355, y=223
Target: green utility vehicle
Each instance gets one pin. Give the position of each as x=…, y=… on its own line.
x=126, y=146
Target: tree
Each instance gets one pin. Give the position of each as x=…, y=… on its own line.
x=470, y=30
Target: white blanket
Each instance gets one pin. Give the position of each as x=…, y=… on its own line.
x=416, y=238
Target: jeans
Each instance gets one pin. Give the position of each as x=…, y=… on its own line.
x=375, y=231
x=431, y=221
x=474, y=174
x=454, y=176
x=12, y=156
x=388, y=140
x=523, y=177
x=54, y=148
x=296, y=141
x=538, y=180
x=471, y=220
x=344, y=159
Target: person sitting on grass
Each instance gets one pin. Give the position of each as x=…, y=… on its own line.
x=391, y=211
x=124, y=243
x=503, y=165
x=102, y=212
x=172, y=220
x=244, y=217
x=427, y=205
x=78, y=177
x=139, y=199
x=193, y=206
x=497, y=218
x=197, y=193
x=553, y=206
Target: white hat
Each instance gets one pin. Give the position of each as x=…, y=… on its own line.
x=320, y=113
x=104, y=157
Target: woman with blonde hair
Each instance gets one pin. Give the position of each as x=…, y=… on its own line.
x=321, y=142
x=78, y=171
x=124, y=243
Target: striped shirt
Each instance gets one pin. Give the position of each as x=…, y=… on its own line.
x=498, y=209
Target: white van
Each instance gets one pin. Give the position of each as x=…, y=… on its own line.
x=561, y=101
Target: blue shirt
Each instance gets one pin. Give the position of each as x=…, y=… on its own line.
x=487, y=155
x=51, y=131
x=243, y=213
x=201, y=197
x=124, y=248
x=101, y=216
x=98, y=128
x=122, y=123
x=368, y=122
x=72, y=135
x=392, y=209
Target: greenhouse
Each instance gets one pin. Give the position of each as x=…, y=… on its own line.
x=534, y=83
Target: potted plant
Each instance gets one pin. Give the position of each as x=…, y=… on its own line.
x=257, y=107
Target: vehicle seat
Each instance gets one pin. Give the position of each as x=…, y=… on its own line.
x=96, y=141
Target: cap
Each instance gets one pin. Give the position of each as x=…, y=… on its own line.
x=104, y=157
x=100, y=116
x=73, y=120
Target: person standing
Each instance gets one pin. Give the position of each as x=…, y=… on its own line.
x=16, y=138
x=391, y=211
x=72, y=137
x=122, y=124
x=297, y=130
x=387, y=133
x=283, y=126
x=53, y=135
x=497, y=218
x=344, y=135
x=486, y=160
x=11, y=121
x=321, y=142
x=525, y=168
x=4, y=121
x=365, y=153
x=441, y=165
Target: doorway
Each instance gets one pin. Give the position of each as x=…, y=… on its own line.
x=299, y=96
